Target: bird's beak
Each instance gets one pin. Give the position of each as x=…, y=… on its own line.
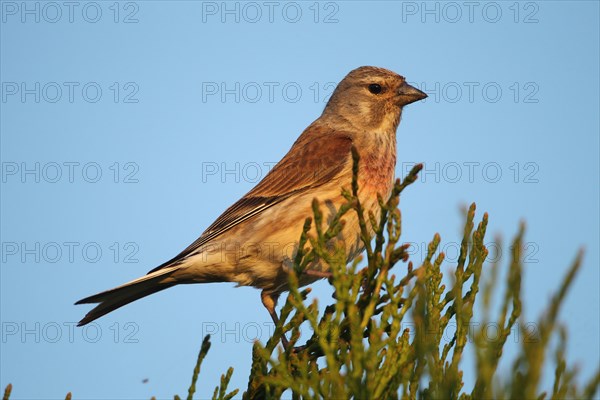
x=408, y=94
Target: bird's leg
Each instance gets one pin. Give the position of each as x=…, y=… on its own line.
x=269, y=300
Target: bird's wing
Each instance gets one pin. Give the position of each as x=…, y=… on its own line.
x=315, y=159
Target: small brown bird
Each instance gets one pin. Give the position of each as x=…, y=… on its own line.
x=253, y=242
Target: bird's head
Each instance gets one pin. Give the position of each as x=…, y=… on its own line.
x=371, y=98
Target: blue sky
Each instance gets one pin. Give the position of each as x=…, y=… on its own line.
x=127, y=128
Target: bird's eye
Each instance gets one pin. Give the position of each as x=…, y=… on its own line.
x=375, y=88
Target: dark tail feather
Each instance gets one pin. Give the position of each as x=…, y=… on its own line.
x=112, y=299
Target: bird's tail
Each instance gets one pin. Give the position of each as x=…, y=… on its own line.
x=112, y=299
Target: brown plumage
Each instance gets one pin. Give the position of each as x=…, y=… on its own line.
x=253, y=241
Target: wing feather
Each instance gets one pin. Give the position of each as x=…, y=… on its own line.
x=316, y=158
